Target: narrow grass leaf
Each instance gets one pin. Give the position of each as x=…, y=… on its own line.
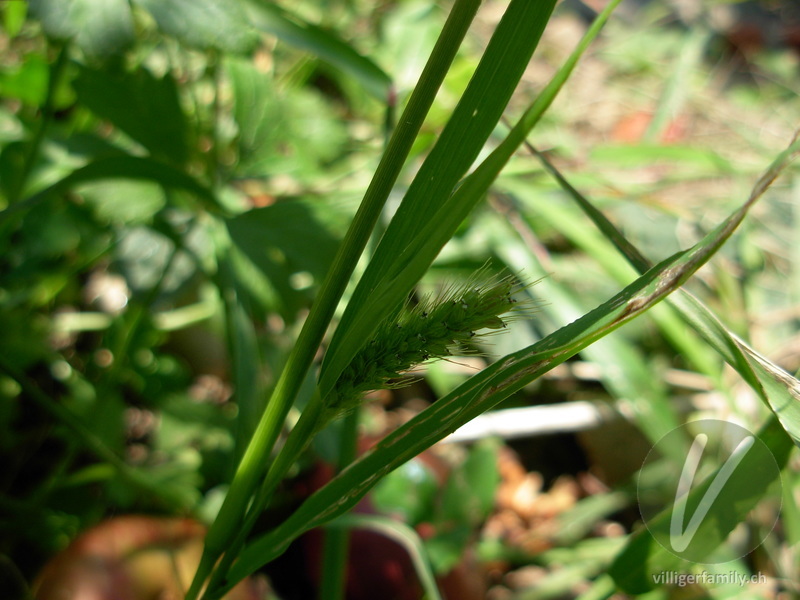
x=677, y=86
x=245, y=358
x=256, y=458
x=755, y=369
x=407, y=250
x=634, y=568
x=480, y=393
x=624, y=372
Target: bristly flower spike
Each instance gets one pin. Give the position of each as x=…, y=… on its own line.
x=437, y=327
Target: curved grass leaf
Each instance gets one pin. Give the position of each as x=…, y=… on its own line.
x=759, y=372
x=431, y=211
x=480, y=393
x=522, y=20
x=226, y=526
x=403, y=535
x=642, y=558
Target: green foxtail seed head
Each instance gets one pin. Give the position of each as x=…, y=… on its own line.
x=437, y=327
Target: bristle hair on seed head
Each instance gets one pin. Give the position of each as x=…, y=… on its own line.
x=436, y=327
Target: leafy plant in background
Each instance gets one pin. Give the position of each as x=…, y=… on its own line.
x=153, y=123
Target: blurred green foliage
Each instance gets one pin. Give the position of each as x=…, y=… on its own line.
x=176, y=176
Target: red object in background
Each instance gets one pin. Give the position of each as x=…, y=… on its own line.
x=132, y=558
x=631, y=128
x=380, y=568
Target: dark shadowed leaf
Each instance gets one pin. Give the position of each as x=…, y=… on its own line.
x=280, y=251
x=321, y=43
x=141, y=105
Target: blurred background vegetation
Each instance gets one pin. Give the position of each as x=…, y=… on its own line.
x=175, y=178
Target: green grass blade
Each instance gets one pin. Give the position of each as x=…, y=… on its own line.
x=336, y=547
x=756, y=370
x=256, y=458
x=673, y=96
x=483, y=391
x=624, y=372
x=407, y=250
x=643, y=557
x=245, y=358
x=465, y=134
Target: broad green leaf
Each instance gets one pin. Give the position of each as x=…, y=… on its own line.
x=290, y=131
x=149, y=260
x=408, y=492
x=118, y=167
x=467, y=500
x=143, y=106
x=483, y=391
x=469, y=494
x=28, y=82
x=101, y=28
x=13, y=14
x=273, y=19
x=123, y=200
x=276, y=238
x=257, y=112
x=87, y=437
x=205, y=24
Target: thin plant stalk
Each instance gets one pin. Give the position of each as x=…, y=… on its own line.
x=426, y=244
x=255, y=459
x=337, y=540
x=428, y=241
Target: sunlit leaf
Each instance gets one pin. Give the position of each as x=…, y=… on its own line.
x=101, y=28
x=204, y=23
